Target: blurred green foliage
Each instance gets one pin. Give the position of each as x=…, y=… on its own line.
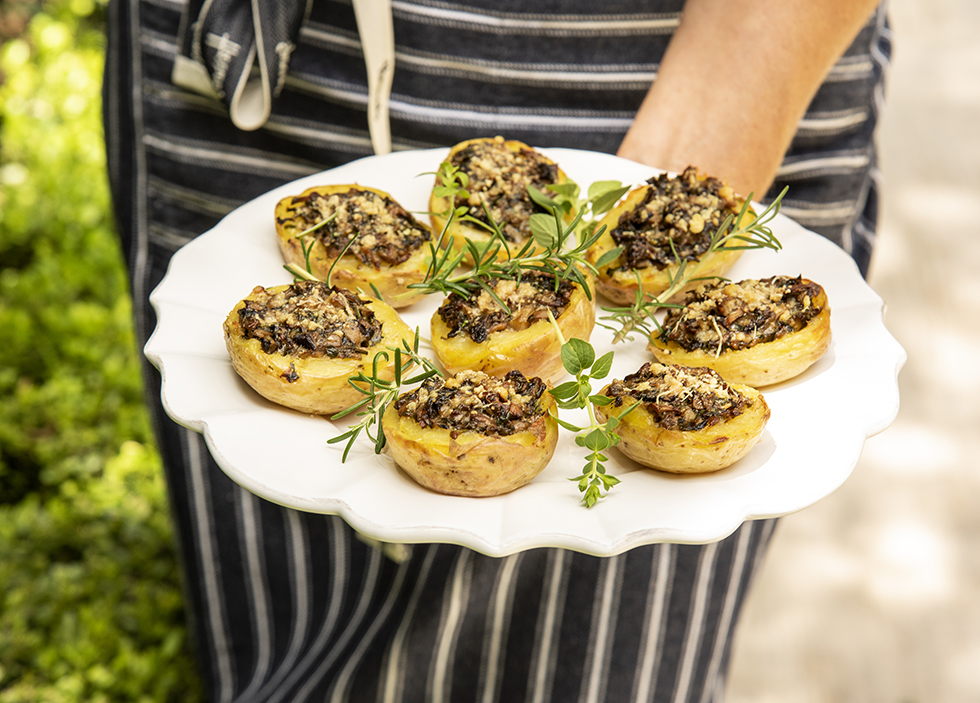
x=90, y=599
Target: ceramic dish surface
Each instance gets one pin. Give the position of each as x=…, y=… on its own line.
x=819, y=422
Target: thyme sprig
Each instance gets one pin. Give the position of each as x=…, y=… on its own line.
x=755, y=233
x=379, y=392
x=579, y=359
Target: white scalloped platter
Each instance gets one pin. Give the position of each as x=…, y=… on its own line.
x=819, y=422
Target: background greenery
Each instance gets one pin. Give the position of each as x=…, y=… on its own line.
x=90, y=600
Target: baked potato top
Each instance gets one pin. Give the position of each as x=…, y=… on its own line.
x=384, y=232
x=309, y=319
x=679, y=397
x=685, y=210
x=719, y=316
x=529, y=301
x=475, y=401
x=500, y=176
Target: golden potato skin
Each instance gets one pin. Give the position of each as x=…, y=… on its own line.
x=763, y=364
x=320, y=386
x=350, y=273
x=535, y=351
x=460, y=231
x=620, y=286
x=688, y=452
x=471, y=464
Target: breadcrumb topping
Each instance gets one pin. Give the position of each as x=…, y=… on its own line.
x=680, y=397
x=383, y=232
x=684, y=210
x=720, y=316
x=309, y=319
x=500, y=178
x=529, y=301
x=473, y=400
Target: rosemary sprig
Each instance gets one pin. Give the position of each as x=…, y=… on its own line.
x=561, y=254
x=379, y=393
x=300, y=273
x=752, y=233
x=307, y=246
x=578, y=358
x=350, y=243
x=560, y=249
x=637, y=317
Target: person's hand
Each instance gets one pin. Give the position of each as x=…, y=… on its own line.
x=735, y=82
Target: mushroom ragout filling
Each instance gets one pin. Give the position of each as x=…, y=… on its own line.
x=478, y=315
x=310, y=319
x=383, y=232
x=718, y=316
x=475, y=401
x=684, y=210
x=500, y=177
x=680, y=397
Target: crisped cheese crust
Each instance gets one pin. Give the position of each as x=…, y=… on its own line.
x=384, y=233
x=684, y=210
x=529, y=301
x=500, y=177
x=680, y=397
x=721, y=316
x=309, y=319
x=473, y=400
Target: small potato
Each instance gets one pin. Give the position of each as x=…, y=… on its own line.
x=534, y=350
x=503, y=187
x=761, y=364
x=370, y=212
x=469, y=462
x=310, y=384
x=619, y=283
x=646, y=441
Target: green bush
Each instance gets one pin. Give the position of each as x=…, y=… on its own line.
x=90, y=599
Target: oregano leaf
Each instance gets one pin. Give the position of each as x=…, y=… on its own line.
x=602, y=366
x=541, y=199
x=544, y=229
x=604, y=201
x=577, y=355
x=608, y=257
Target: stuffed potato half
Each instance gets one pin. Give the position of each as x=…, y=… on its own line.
x=499, y=172
x=275, y=357
x=653, y=436
x=533, y=348
x=685, y=210
x=389, y=250
x=473, y=462
x=749, y=337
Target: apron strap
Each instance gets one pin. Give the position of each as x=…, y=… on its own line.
x=238, y=51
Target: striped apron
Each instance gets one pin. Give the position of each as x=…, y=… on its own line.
x=292, y=607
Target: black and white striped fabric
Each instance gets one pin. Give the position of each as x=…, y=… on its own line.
x=292, y=607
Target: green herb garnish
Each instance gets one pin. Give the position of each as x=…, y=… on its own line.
x=379, y=392
x=306, y=244
x=755, y=233
x=578, y=358
x=561, y=248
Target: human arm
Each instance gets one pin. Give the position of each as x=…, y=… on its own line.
x=735, y=81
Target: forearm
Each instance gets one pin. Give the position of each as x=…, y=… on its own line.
x=735, y=81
